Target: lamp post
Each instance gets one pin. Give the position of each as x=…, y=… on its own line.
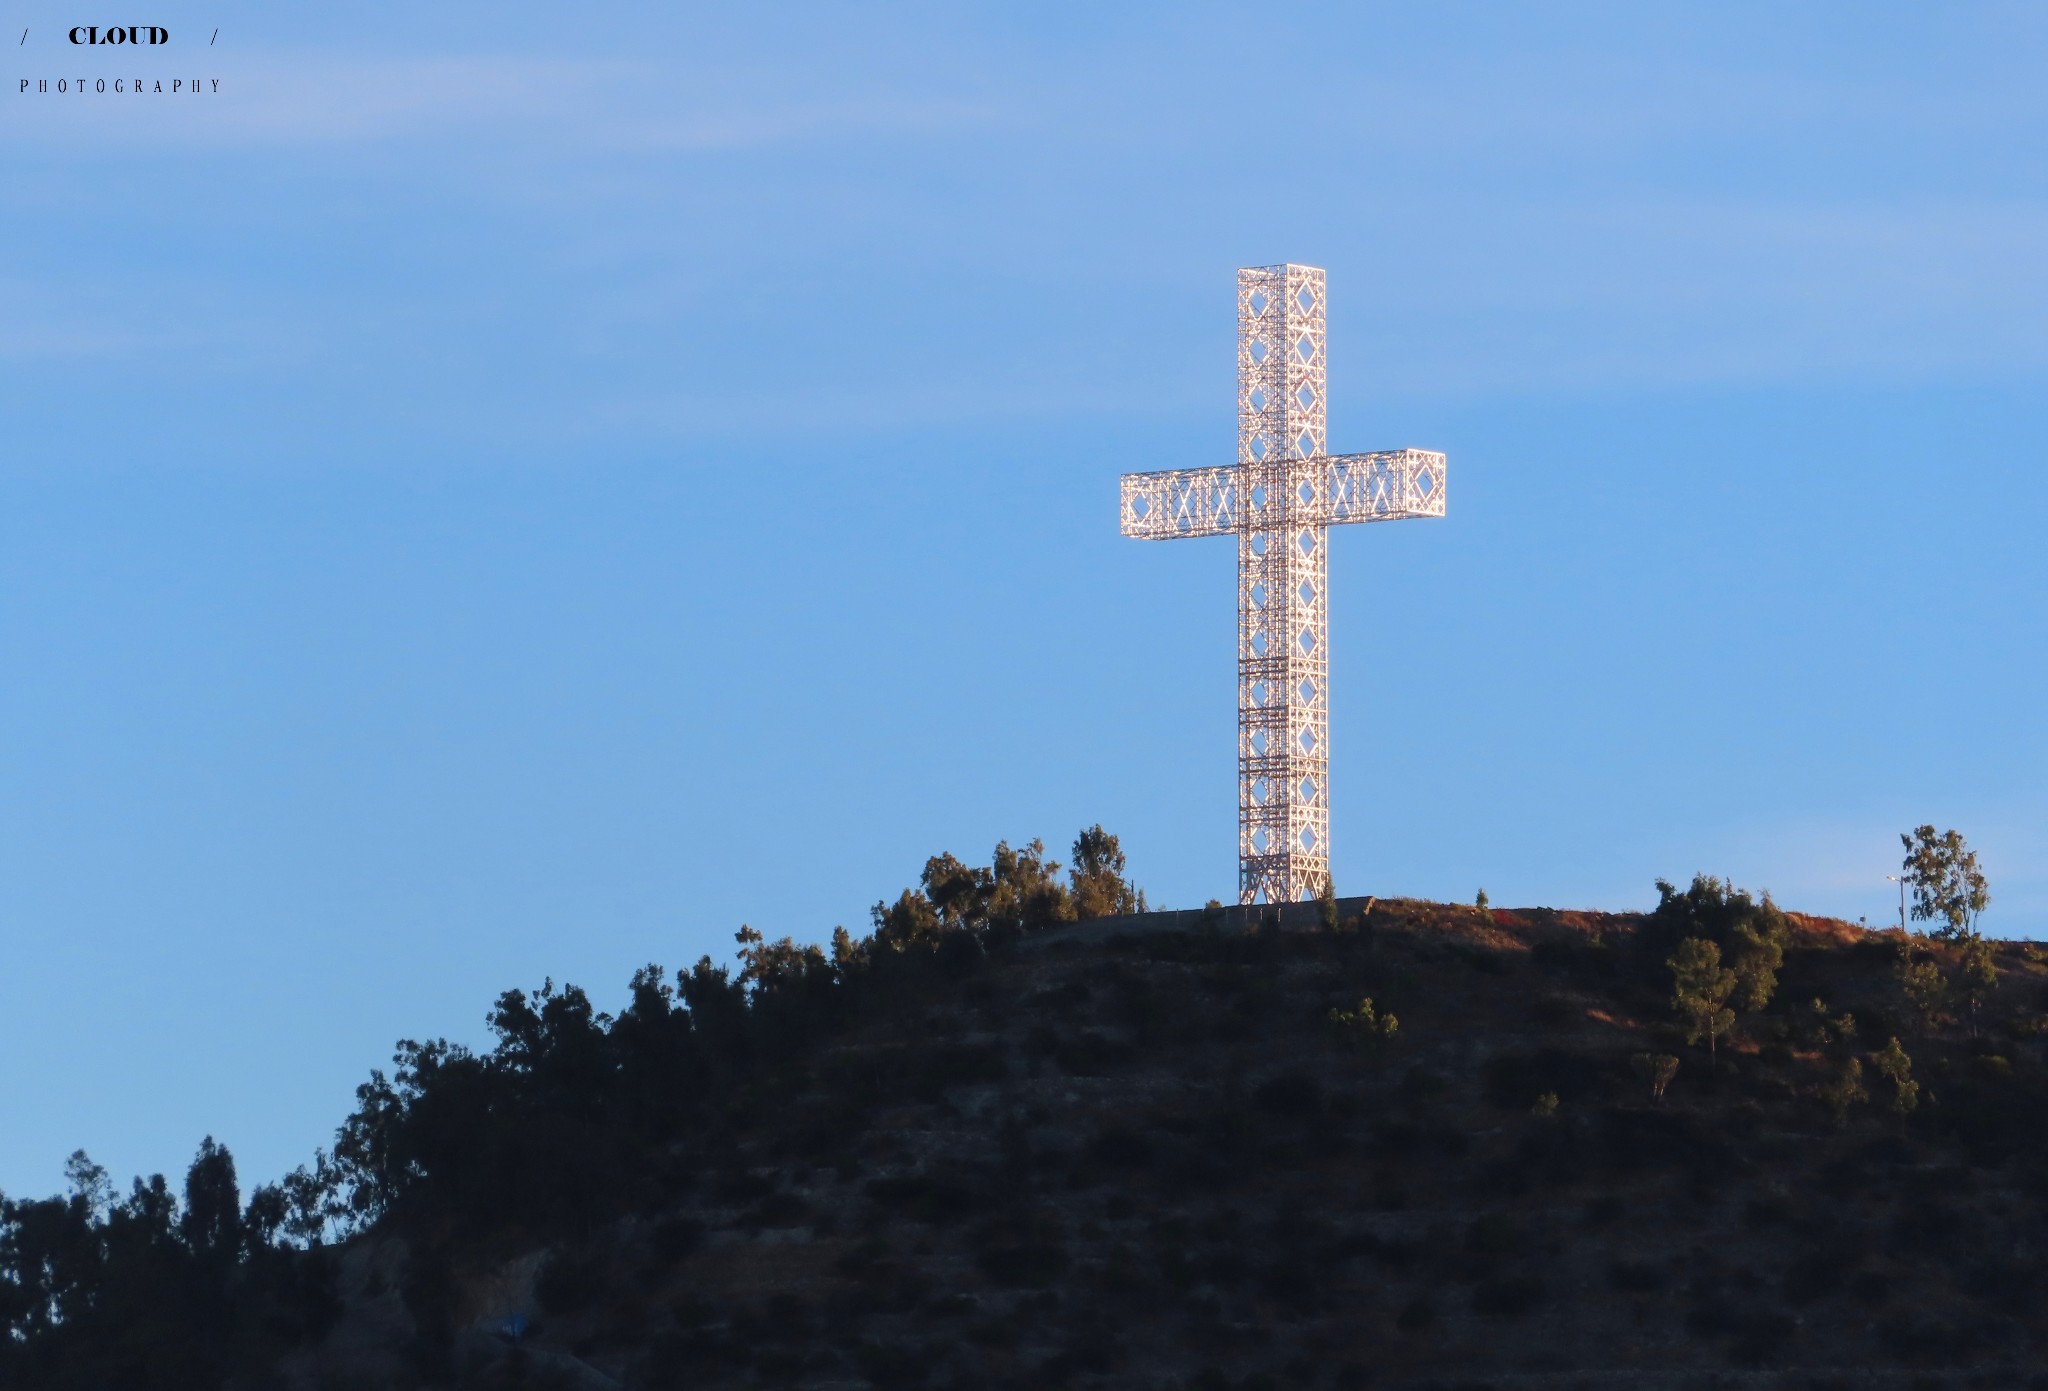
x=1901, y=882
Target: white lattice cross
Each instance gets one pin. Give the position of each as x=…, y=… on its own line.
x=1285, y=490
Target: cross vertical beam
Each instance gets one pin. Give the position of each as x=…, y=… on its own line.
x=1283, y=709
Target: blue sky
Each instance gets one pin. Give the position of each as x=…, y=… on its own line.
x=507, y=492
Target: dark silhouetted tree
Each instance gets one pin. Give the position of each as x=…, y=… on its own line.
x=1100, y=890
x=959, y=892
x=1752, y=934
x=212, y=1221
x=911, y=921
x=263, y=1221
x=1028, y=895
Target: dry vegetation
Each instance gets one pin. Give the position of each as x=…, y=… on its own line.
x=1157, y=1161
x=985, y=1147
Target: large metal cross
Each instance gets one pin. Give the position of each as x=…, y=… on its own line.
x=1278, y=500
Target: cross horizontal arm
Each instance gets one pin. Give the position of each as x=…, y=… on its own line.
x=1325, y=490
x=1180, y=502
x=1385, y=487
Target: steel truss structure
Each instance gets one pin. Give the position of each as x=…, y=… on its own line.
x=1279, y=499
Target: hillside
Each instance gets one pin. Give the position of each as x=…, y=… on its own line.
x=1113, y=1155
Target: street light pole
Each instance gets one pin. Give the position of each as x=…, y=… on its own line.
x=1900, y=880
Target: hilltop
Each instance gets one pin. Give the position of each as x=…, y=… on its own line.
x=1420, y=1146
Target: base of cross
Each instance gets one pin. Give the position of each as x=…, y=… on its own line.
x=1231, y=920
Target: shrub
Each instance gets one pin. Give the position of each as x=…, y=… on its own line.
x=1845, y=1089
x=1364, y=1025
x=1925, y=987
x=1896, y=1067
x=1515, y=1081
x=1656, y=1070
